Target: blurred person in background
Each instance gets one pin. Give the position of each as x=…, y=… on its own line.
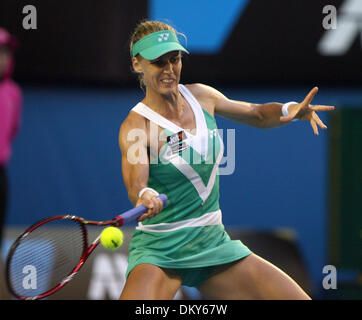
x=10, y=111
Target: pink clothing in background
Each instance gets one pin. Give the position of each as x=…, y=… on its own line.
x=10, y=111
x=10, y=103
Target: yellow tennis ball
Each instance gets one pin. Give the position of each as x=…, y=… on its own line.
x=111, y=238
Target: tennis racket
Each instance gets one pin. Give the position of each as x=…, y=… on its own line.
x=49, y=253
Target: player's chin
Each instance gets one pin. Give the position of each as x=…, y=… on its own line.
x=167, y=87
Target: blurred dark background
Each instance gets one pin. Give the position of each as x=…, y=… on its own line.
x=247, y=42
x=75, y=73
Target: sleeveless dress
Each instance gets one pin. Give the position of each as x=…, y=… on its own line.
x=188, y=233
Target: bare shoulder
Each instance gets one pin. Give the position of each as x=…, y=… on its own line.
x=206, y=95
x=133, y=121
x=203, y=91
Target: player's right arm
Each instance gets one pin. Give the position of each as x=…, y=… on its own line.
x=133, y=142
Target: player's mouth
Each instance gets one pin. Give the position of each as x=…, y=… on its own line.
x=167, y=82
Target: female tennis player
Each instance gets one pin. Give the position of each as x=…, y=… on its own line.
x=169, y=144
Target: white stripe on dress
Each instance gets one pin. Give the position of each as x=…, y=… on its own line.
x=207, y=219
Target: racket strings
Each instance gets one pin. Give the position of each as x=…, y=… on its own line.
x=45, y=257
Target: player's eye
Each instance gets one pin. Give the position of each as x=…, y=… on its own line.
x=159, y=63
x=174, y=60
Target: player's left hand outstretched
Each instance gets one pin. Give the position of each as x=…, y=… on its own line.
x=306, y=111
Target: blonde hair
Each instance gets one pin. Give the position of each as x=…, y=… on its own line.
x=144, y=28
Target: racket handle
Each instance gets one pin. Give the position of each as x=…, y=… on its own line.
x=133, y=214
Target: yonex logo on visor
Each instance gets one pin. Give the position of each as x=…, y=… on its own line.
x=156, y=44
x=163, y=36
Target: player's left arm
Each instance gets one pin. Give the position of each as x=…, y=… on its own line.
x=268, y=115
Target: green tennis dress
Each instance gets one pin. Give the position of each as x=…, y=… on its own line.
x=188, y=235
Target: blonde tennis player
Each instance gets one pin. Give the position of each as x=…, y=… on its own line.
x=177, y=153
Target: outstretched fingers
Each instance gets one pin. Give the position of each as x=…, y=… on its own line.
x=308, y=99
x=318, y=121
x=306, y=111
x=314, y=126
x=315, y=121
x=321, y=108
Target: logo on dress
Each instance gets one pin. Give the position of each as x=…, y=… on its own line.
x=177, y=142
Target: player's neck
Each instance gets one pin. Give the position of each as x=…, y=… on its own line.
x=171, y=103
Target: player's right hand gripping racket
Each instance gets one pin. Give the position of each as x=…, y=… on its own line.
x=48, y=254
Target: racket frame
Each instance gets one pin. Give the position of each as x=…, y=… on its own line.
x=118, y=221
